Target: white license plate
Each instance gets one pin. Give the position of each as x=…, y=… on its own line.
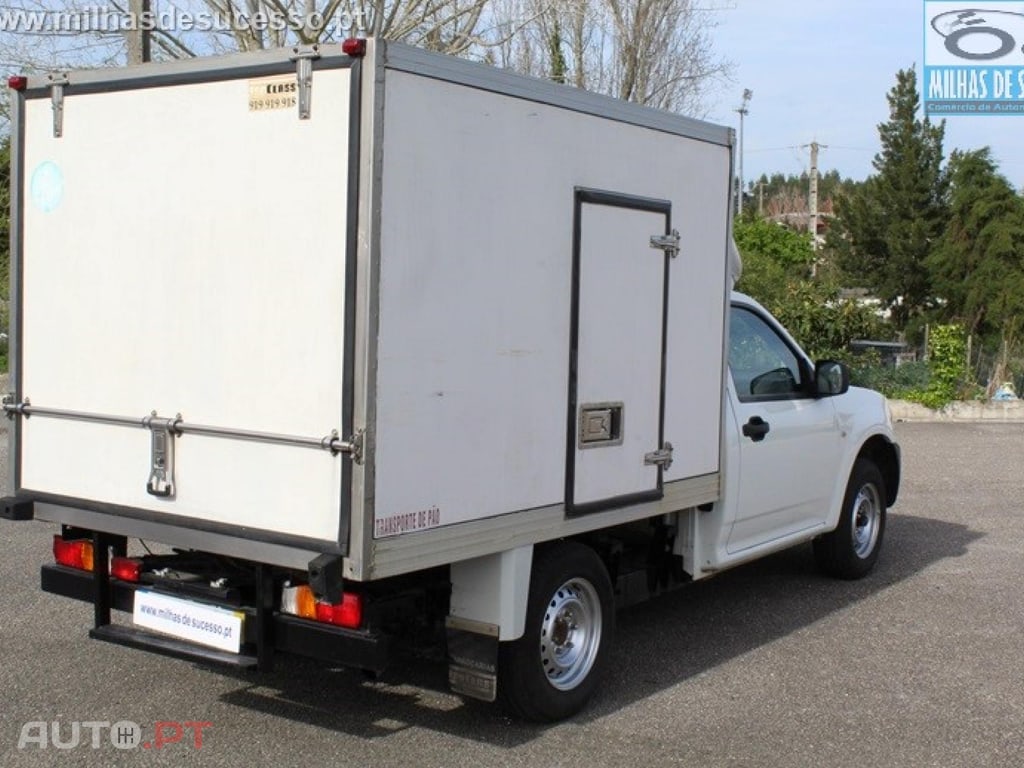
x=196, y=622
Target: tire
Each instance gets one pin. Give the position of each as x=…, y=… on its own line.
x=551, y=672
x=851, y=550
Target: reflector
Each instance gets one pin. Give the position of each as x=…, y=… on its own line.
x=126, y=568
x=354, y=46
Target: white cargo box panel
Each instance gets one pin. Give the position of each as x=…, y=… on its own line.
x=185, y=253
x=536, y=352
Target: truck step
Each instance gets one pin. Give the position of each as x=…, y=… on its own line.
x=168, y=646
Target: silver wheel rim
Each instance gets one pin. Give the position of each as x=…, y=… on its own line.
x=866, y=520
x=570, y=634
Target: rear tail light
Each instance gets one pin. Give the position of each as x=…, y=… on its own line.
x=300, y=601
x=126, y=568
x=347, y=613
x=76, y=553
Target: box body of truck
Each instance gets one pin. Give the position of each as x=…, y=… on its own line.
x=360, y=332
x=429, y=311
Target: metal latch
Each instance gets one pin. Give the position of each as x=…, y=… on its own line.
x=57, y=83
x=668, y=243
x=303, y=56
x=161, y=473
x=662, y=457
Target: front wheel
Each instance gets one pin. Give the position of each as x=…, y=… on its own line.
x=552, y=670
x=851, y=550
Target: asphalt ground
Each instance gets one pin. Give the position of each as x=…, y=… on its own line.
x=770, y=664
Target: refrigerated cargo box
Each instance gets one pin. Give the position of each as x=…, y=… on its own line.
x=391, y=306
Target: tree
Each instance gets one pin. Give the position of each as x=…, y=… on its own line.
x=654, y=52
x=776, y=272
x=978, y=266
x=886, y=227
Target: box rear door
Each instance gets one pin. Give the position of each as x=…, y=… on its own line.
x=186, y=252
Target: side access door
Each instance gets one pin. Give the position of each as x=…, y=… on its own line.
x=621, y=254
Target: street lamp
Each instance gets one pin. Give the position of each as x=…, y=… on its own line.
x=747, y=96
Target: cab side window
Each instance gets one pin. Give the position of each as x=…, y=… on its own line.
x=763, y=365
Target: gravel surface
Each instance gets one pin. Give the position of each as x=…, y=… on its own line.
x=921, y=664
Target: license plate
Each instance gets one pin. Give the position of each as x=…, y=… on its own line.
x=196, y=622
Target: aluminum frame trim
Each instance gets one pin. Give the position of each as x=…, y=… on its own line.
x=485, y=77
x=184, y=71
x=409, y=552
x=16, y=268
x=288, y=554
x=348, y=429
x=361, y=547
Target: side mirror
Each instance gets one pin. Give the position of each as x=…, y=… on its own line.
x=831, y=379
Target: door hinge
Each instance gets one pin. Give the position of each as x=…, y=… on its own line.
x=668, y=243
x=303, y=56
x=57, y=83
x=661, y=457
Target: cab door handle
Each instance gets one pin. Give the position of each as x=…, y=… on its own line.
x=756, y=429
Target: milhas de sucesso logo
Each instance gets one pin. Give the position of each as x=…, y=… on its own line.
x=973, y=58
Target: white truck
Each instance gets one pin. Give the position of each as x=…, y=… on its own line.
x=387, y=349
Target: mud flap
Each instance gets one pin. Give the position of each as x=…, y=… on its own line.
x=472, y=658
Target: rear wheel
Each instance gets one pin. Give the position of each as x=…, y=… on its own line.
x=552, y=670
x=851, y=550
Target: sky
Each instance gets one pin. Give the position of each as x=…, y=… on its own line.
x=820, y=71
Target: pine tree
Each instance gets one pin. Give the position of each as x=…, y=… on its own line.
x=978, y=265
x=887, y=226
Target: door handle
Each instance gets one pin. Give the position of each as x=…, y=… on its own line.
x=756, y=429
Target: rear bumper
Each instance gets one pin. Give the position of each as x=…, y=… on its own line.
x=362, y=649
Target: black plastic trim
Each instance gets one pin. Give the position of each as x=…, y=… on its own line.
x=350, y=647
x=79, y=585
x=362, y=649
x=169, y=646
x=16, y=508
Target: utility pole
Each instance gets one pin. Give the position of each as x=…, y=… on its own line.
x=760, y=199
x=812, y=200
x=138, y=38
x=743, y=111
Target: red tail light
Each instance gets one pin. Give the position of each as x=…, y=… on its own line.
x=17, y=82
x=347, y=613
x=74, y=554
x=125, y=568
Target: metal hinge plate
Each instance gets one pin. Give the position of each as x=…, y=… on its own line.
x=661, y=457
x=57, y=83
x=303, y=56
x=668, y=243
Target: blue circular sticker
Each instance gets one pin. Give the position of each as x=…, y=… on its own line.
x=47, y=186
